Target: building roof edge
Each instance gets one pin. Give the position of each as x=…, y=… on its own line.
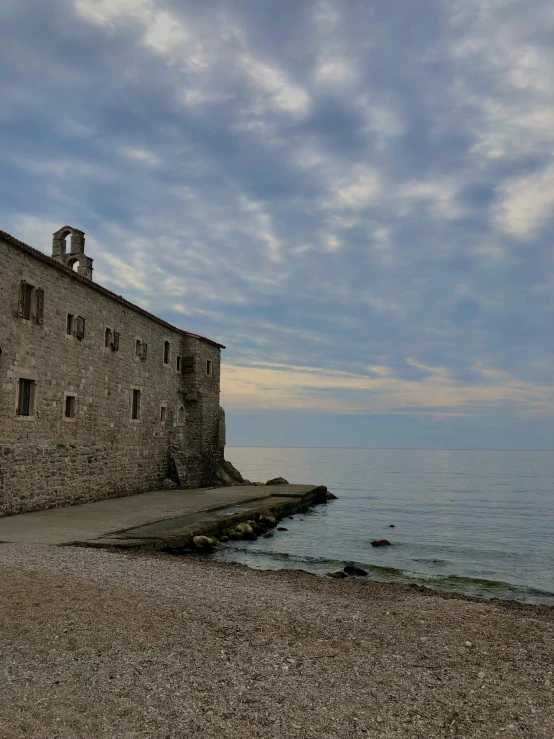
x=31, y=251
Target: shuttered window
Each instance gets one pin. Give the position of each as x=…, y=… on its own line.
x=39, y=316
x=187, y=365
x=143, y=350
x=24, y=309
x=80, y=330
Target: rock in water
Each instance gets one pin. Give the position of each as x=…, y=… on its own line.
x=277, y=481
x=353, y=570
x=330, y=496
x=203, y=543
x=246, y=530
x=381, y=543
x=267, y=521
x=338, y=574
x=281, y=528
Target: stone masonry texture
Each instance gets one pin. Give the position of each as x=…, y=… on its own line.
x=99, y=451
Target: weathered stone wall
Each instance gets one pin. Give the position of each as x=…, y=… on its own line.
x=48, y=460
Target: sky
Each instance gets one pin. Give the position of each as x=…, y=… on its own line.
x=356, y=199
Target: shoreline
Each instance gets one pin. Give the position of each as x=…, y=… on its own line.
x=131, y=645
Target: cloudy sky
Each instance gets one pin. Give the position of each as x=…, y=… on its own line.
x=356, y=198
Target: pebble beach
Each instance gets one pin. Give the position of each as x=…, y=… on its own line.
x=130, y=646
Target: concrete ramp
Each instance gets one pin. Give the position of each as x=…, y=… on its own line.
x=162, y=519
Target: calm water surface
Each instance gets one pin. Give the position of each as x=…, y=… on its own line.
x=479, y=522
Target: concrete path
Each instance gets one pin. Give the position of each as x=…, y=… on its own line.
x=161, y=510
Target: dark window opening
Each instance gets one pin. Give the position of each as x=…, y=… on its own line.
x=69, y=324
x=26, y=397
x=167, y=352
x=138, y=348
x=208, y=366
x=70, y=406
x=136, y=405
x=178, y=364
x=26, y=301
x=163, y=414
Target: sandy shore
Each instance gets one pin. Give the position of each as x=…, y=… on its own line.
x=101, y=644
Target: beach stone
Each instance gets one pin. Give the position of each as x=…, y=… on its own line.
x=391, y=526
x=338, y=574
x=235, y=535
x=277, y=481
x=281, y=528
x=381, y=543
x=246, y=530
x=203, y=544
x=267, y=521
x=353, y=570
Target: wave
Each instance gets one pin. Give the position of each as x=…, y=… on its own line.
x=480, y=587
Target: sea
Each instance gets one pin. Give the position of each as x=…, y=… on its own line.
x=473, y=522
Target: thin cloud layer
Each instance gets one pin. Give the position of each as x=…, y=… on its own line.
x=325, y=190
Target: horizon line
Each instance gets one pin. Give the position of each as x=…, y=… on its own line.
x=388, y=448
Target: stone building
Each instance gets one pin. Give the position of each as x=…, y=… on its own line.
x=98, y=398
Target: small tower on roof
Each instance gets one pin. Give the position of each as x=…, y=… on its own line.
x=74, y=259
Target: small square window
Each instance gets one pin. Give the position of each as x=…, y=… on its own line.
x=69, y=324
x=135, y=412
x=70, y=403
x=167, y=352
x=108, y=337
x=163, y=414
x=208, y=366
x=26, y=397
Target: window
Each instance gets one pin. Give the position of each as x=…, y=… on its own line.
x=208, y=366
x=187, y=365
x=111, y=339
x=69, y=324
x=167, y=352
x=135, y=412
x=163, y=414
x=31, y=303
x=69, y=406
x=178, y=364
x=26, y=300
x=181, y=416
x=141, y=349
x=26, y=397
x=80, y=329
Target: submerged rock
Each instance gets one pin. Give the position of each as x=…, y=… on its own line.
x=353, y=570
x=277, y=481
x=381, y=543
x=268, y=535
x=203, y=544
x=338, y=574
x=281, y=528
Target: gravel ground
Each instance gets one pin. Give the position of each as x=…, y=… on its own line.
x=102, y=644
